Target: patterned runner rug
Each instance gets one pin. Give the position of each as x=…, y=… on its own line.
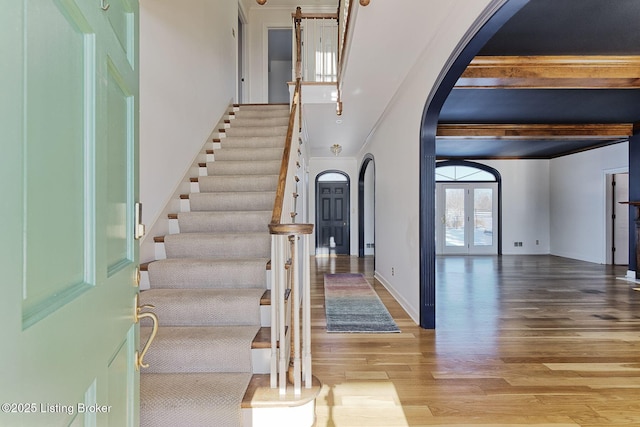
x=352, y=305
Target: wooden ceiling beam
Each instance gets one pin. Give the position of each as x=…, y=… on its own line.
x=539, y=131
x=554, y=72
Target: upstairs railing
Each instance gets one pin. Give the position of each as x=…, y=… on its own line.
x=319, y=50
x=290, y=282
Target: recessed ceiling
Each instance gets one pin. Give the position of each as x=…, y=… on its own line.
x=550, y=28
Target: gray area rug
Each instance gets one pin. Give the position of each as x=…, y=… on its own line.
x=352, y=306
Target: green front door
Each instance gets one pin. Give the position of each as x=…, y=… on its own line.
x=68, y=185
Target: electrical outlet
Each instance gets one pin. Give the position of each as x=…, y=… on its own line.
x=537, y=242
x=393, y=271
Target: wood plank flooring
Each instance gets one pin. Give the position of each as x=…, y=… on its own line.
x=520, y=340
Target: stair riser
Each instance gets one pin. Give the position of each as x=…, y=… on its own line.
x=260, y=362
x=224, y=247
x=237, y=183
x=248, y=155
x=265, y=310
x=263, y=167
x=199, y=350
x=230, y=202
x=261, y=131
x=252, y=142
x=202, y=307
x=218, y=222
x=220, y=275
x=261, y=112
x=259, y=121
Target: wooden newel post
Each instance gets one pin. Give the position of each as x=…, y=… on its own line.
x=637, y=234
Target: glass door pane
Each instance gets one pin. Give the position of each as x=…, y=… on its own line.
x=454, y=217
x=482, y=217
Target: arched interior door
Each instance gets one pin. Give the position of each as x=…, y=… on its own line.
x=332, y=214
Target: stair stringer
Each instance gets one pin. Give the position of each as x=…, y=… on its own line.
x=160, y=225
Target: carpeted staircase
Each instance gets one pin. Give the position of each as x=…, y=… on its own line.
x=207, y=292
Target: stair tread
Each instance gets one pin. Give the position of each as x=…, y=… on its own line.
x=266, y=296
x=262, y=338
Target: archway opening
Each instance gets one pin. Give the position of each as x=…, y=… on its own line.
x=468, y=208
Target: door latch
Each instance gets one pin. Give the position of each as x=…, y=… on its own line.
x=139, y=228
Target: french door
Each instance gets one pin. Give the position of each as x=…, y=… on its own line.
x=466, y=218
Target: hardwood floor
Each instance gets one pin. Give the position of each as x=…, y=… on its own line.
x=520, y=340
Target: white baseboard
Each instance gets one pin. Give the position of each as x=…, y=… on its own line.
x=411, y=311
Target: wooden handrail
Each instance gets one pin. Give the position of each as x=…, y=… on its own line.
x=276, y=214
x=288, y=229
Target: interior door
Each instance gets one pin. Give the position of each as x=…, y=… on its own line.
x=467, y=218
x=69, y=185
x=333, y=218
x=620, y=219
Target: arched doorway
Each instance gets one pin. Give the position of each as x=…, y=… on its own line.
x=332, y=213
x=468, y=208
x=366, y=205
x=484, y=28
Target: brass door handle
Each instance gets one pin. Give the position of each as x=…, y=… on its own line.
x=139, y=314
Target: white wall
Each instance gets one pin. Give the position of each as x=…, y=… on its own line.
x=187, y=80
x=578, y=201
x=349, y=166
x=525, y=205
x=395, y=146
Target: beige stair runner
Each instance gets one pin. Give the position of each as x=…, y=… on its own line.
x=207, y=292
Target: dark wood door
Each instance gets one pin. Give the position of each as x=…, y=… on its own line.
x=333, y=217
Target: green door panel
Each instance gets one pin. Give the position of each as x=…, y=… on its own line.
x=69, y=183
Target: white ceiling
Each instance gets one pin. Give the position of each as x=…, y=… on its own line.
x=376, y=67
x=375, y=70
